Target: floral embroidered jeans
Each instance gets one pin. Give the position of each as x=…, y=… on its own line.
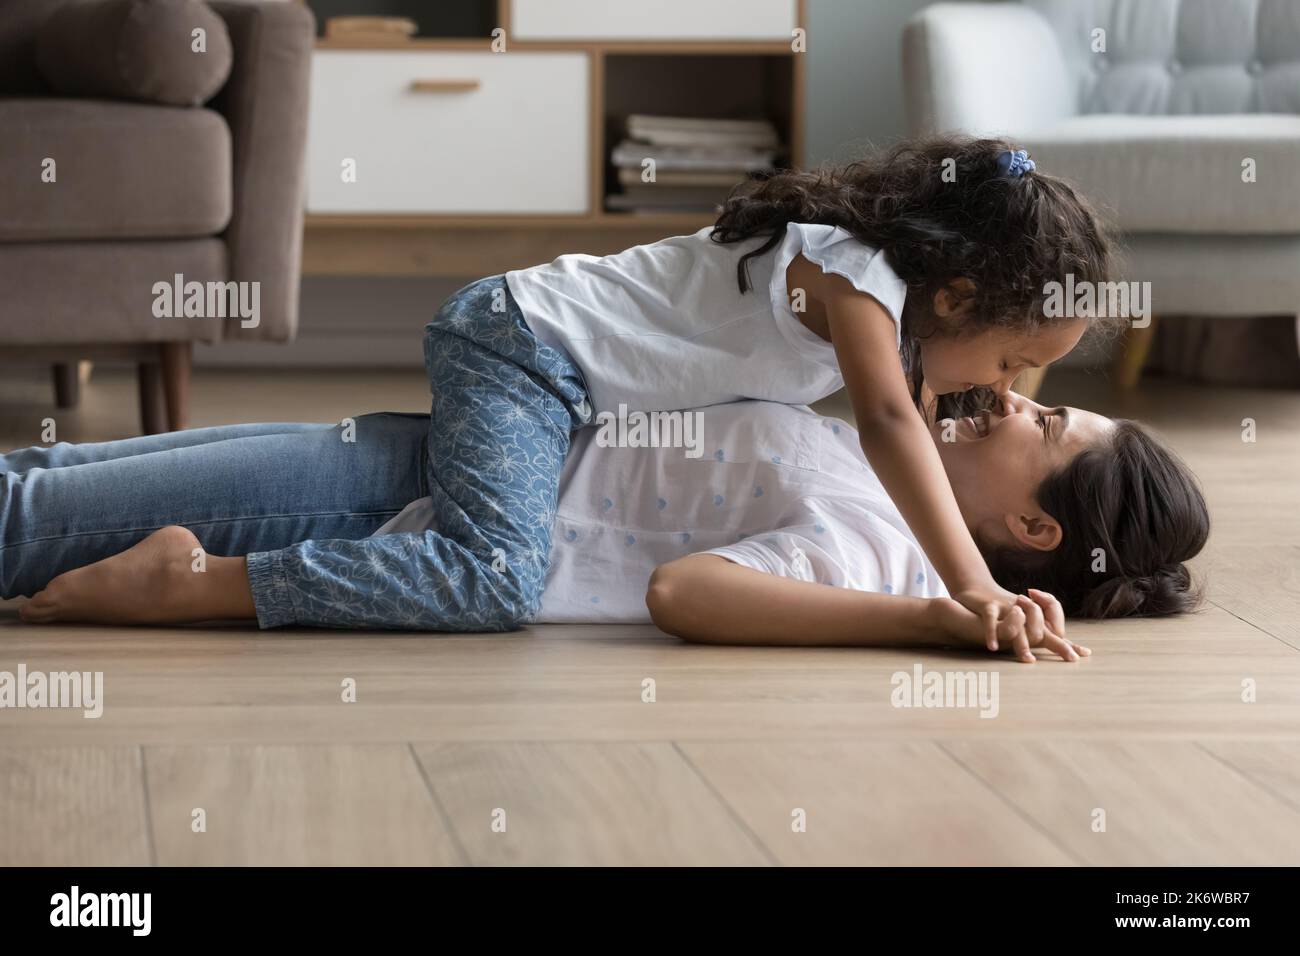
x=302, y=500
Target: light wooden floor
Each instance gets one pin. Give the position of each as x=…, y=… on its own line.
x=546, y=729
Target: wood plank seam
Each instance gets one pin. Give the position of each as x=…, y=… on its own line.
x=726, y=805
x=1015, y=807
x=1263, y=630
x=1250, y=778
x=448, y=823
x=148, y=806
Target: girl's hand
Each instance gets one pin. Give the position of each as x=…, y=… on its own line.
x=1053, y=625
x=1006, y=622
x=996, y=618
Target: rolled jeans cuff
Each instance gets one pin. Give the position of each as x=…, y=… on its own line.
x=272, y=598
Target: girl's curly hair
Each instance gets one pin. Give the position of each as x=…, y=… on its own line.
x=939, y=209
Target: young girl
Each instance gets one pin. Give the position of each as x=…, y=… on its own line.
x=938, y=251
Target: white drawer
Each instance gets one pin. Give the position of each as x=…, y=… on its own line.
x=652, y=19
x=507, y=135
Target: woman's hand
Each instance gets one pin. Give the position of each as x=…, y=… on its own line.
x=1015, y=629
x=1005, y=620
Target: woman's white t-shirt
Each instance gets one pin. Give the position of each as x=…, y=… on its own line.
x=665, y=326
x=775, y=488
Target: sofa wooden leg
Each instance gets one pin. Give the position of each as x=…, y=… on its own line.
x=67, y=385
x=153, y=418
x=1029, y=382
x=1131, y=354
x=177, y=360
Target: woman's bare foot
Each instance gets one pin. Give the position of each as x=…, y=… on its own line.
x=154, y=582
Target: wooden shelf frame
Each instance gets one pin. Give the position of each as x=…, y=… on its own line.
x=471, y=45
x=420, y=243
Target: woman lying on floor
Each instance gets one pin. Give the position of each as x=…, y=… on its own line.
x=737, y=545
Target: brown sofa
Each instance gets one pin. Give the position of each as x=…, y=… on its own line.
x=143, y=189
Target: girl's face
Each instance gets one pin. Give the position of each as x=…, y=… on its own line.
x=957, y=362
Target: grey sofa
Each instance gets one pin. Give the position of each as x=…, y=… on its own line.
x=147, y=190
x=1166, y=127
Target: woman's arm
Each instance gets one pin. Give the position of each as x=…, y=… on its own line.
x=707, y=599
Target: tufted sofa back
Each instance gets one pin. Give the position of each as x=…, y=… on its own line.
x=1180, y=56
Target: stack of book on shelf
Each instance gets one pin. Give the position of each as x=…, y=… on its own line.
x=695, y=164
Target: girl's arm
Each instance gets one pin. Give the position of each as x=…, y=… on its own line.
x=897, y=442
x=708, y=599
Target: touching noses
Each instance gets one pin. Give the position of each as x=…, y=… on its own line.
x=1004, y=400
x=1002, y=387
x=1011, y=403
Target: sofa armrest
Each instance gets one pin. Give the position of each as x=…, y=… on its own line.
x=265, y=104
x=992, y=68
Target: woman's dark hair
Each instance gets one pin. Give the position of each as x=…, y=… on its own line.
x=1130, y=513
x=940, y=210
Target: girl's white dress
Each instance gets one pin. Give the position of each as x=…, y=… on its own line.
x=664, y=326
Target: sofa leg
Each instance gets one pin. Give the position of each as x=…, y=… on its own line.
x=177, y=360
x=1131, y=354
x=153, y=419
x=1029, y=382
x=67, y=385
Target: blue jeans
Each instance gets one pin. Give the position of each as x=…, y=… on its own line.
x=301, y=500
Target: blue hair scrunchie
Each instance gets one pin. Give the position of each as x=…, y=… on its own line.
x=1015, y=164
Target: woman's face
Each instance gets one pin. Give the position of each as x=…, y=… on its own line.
x=997, y=460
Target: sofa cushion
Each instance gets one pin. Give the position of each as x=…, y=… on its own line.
x=1181, y=173
x=95, y=169
x=136, y=50
x=1216, y=274
x=66, y=293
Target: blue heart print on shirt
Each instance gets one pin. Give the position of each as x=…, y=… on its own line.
x=920, y=577
x=889, y=589
x=571, y=535
x=758, y=491
x=606, y=504
x=630, y=540
x=686, y=537
x=718, y=455
x=718, y=500
x=662, y=504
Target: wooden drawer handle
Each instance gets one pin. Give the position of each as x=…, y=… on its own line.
x=444, y=86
